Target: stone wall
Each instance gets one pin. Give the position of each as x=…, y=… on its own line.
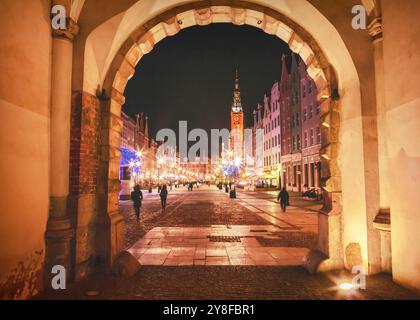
x=84, y=162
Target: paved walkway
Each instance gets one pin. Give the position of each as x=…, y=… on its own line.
x=207, y=246
x=282, y=240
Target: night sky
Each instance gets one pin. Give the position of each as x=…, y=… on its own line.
x=190, y=76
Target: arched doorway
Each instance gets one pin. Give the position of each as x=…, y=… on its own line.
x=332, y=74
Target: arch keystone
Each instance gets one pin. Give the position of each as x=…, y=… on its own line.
x=221, y=14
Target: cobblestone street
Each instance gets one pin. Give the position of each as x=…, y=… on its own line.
x=207, y=246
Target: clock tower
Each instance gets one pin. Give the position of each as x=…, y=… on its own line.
x=237, y=123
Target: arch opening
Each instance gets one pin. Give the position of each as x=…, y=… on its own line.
x=140, y=42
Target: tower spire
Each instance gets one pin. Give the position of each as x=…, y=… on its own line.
x=236, y=103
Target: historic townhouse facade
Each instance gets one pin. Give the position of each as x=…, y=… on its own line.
x=291, y=123
x=136, y=145
x=311, y=132
x=286, y=125
x=258, y=148
x=295, y=111
x=267, y=135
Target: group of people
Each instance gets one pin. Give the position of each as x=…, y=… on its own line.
x=137, y=198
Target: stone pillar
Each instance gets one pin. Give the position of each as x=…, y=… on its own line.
x=59, y=233
x=110, y=225
x=384, y=228
x=329, y=252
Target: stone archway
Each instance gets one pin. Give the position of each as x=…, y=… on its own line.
x=109, y=230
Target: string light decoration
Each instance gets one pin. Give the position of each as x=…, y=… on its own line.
x=131, y=159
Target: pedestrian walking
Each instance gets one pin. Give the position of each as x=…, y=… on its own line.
x=137, y=198
x=163, y=196
x=284, y=199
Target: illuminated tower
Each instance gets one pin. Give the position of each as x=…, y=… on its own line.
x=236, y=123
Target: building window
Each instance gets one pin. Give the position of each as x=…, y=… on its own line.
x=310, y=87
x=298, y=142
x=311, y=110
x=289, y=145
x=318, y=136
x=294, y=143
x=304, y=114
x=304, y=91
x=293, y=121
x=311, y=137
x=297, y=119
x=305, y=139
x=318, y=108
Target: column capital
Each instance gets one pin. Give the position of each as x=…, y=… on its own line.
x=71, y=31
x=375, y=29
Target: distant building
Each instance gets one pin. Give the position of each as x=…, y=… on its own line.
x=237, y=123
x=138, y=160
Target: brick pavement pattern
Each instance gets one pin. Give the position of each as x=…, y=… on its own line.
x=207, y=246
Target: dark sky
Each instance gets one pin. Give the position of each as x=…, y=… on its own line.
x=190, y=76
